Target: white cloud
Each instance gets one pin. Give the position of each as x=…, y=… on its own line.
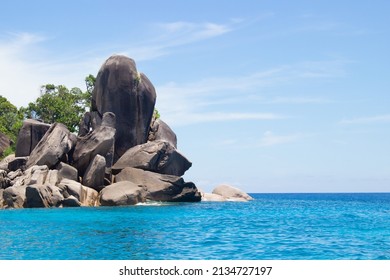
x=270, y=139
x=367, y=120
x=180, y=32
x=194, y=102
x=170, y=35
x=25, y=65
x=298, y=100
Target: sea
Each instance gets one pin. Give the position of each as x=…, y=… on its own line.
x=342, y=226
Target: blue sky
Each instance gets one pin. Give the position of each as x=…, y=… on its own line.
x=269, y=96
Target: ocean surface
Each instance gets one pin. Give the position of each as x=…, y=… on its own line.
x=273, y=226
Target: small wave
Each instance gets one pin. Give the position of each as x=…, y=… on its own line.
x=152, y=203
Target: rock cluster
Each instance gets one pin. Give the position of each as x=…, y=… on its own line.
x=121, y=156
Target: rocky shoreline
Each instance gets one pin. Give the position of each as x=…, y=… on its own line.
x=122, y=155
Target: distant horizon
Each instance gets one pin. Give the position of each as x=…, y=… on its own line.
x=269, y=97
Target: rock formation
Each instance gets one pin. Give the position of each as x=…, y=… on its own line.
x=226, y=193
x=30, y=134
x=122, y=155
x=122, y=90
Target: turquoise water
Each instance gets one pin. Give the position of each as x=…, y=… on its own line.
x=274, y=226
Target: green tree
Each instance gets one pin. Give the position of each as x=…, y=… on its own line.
x=90, y=83
x=10, y=119
x=59, y=104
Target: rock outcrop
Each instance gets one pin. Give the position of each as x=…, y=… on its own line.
x=122, y=90
x=159, y=130
x=121, y=156
x=98, y=142
x=122, y=193
x=226, y=193
x=160, y=187
x=94, y=175
x=30, y=134
x=52, y=148
x=157, y=156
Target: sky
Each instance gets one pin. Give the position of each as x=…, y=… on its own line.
x=268, y=96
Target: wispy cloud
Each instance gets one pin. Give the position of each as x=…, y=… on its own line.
x=168, y=36
x=198, y=101
x=298, y=100
x=271, y=139
x=25, y=65
x=367, y=120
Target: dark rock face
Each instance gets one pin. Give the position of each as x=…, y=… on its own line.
x=94, y=175
x=29, y=136
x=160, y=131
x=156, y=156
x=43, y=196
x=120, y=89
x=160, y=187
x=17, y=163
x=98, y=142
x=66, y=171
x=54, y=145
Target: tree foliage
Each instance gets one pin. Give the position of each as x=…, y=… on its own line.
x=59, y=104
x=10, y=119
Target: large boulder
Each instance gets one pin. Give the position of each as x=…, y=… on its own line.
x=14, y=197
x=98, y=142
x=160, y=187
x=72, y=190
x=159, y=130
x=212, y=197
x=38, y=196
x=52, y=148
x=30, y=134
x=122, y=193
x=94, y=175
x=35, y=175
x=231, y=193
x=121, y=89
x=156, y=156
x=4, y=162
x=17, y=163
x=66, y=171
